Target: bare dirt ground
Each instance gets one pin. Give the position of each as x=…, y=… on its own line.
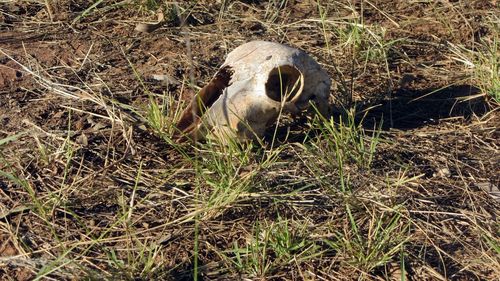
x=91, y=186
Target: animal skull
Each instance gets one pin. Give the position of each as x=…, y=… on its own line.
x=258, y=81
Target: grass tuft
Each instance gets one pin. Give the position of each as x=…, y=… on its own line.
x=93, y=186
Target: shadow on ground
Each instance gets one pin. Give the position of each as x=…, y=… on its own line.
x=413, y=109
x=407, y=110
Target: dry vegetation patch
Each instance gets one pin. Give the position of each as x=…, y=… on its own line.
x=401, y=184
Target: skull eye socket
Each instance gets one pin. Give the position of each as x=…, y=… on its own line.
x=284, y=83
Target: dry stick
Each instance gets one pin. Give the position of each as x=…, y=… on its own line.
x=48, y=6
x=338, y=72
x=391, y=84
x=195, y=137
x=150, y=27
x=383, y=13
x=86, y=56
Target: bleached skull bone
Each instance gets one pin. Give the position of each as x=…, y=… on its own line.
x=258, y=81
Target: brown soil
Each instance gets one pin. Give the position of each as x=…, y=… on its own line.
x=73, y=85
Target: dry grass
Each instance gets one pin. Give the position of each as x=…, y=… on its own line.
x=399, y=185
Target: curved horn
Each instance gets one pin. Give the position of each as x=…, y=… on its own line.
x=190, y=117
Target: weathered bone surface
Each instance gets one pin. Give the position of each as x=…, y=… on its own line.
x=258, y=81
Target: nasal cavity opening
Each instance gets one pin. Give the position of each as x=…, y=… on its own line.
x=284, y=83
